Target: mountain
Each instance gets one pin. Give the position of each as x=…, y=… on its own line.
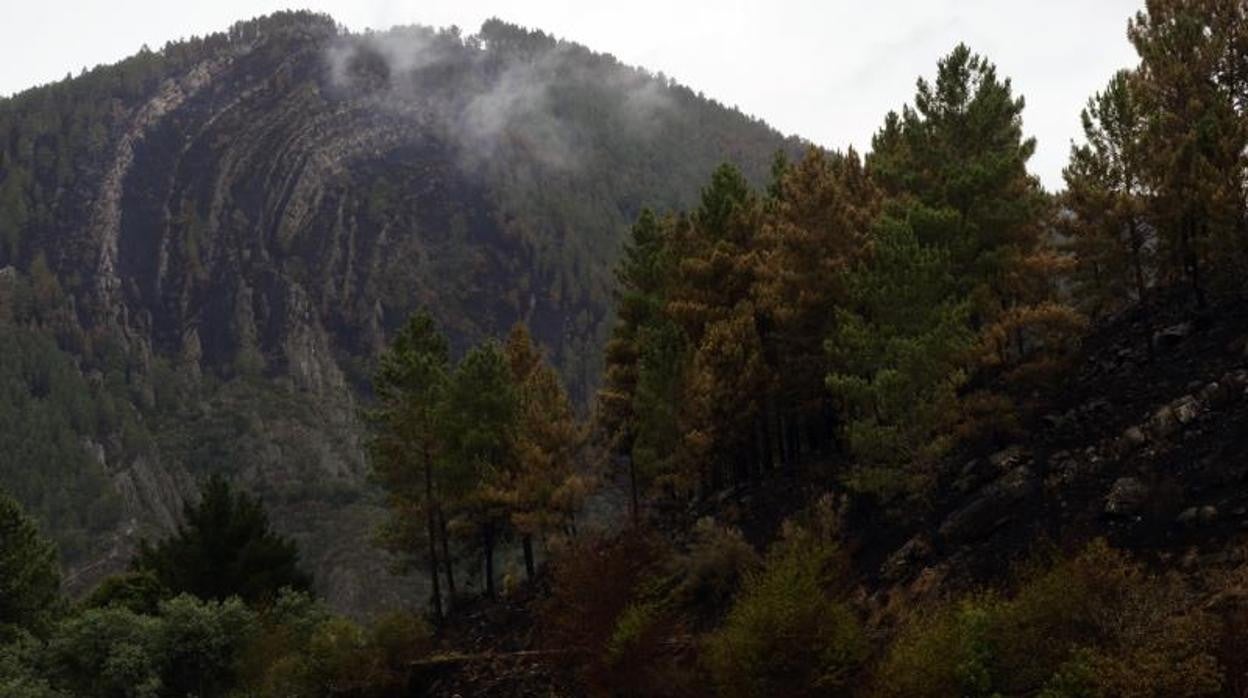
x=203, y=249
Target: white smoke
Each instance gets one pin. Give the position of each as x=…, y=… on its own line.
x=495, y=106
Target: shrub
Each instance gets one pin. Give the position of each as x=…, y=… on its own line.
x=304, y=650
x=711, y=572
x=787, y=634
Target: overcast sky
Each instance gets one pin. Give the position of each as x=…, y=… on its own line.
x=827, y=70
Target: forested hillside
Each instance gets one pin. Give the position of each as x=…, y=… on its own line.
x=886, y=423
x=204, y=247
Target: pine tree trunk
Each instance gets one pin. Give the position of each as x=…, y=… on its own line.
x=433, y=547
x=530, y=569
x=489, y=560
x=786, y=452
x=447, y=562
x=636, y=498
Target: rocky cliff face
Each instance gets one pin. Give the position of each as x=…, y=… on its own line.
x=220, y=235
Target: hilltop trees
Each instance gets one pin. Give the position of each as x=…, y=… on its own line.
x=1190, y=89
x=855, y=304
x=960, y=241
x=1156, y=193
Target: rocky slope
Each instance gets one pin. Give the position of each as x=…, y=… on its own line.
x=219, y=236
x=1141, y=447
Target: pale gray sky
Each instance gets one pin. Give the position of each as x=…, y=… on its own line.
x=827, y=70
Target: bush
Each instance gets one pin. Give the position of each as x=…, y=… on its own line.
x=787, y=634
x=602, y=605
x=303, y=650
x=940, y=653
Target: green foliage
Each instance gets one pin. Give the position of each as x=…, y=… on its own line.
x=30, y=579
x=224, y=548
x=20, y=673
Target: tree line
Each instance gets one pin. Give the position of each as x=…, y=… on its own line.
x=887, y=308
x=858, y=305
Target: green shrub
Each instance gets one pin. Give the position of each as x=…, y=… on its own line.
x=944, y=652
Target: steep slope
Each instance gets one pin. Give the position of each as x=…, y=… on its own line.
x=216, y=238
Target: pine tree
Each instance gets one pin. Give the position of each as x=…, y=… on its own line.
x=478, y=419
x=410, y=385
x=710, y=298
x=818, y=214
x=541, y=488
x=898, y=350
x=224, y=548
x=1192, y=86
x=642, y=276
x=714, y=253
x=954, y=169
x=958, y=161
x=727, y=380
x=1108, y=198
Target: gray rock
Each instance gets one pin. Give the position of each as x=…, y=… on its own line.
x=1164, y=423
x=1186, y=410
x=1198, y=516
x=1172, y=336
x=1126, y=497
x=1004, y=460
x=901, y=563
x=1215, y=395
x=1135, y=437
x=991, y=507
